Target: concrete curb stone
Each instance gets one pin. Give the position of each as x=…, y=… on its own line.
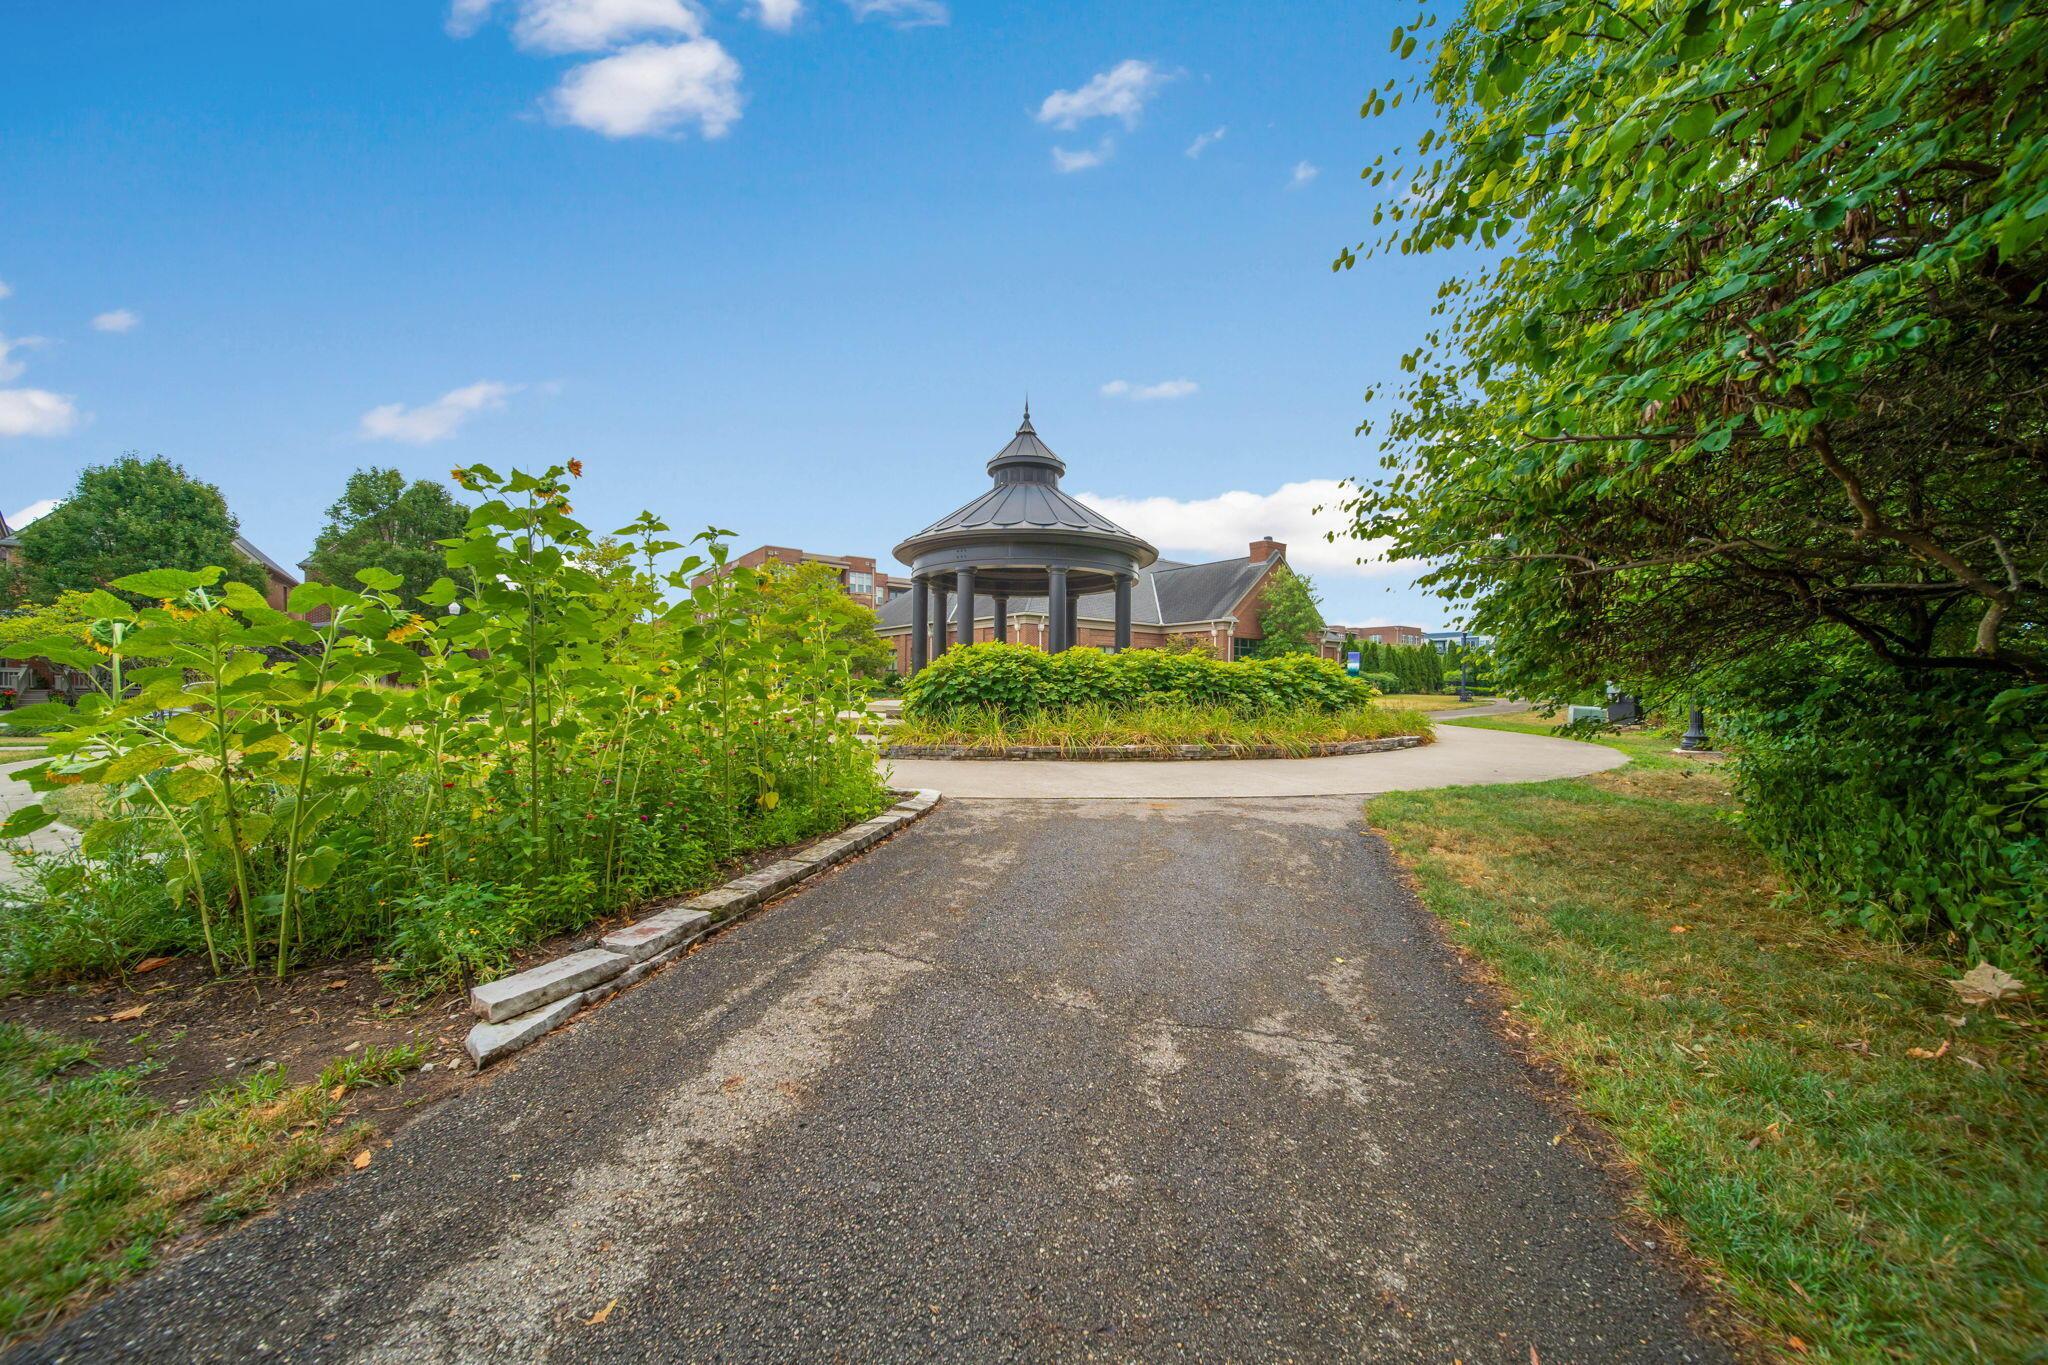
x=1147, y=753
x=517, y=1010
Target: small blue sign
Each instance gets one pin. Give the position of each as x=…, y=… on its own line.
x=1351, y=662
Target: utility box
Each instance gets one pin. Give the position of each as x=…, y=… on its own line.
x=1575, y=714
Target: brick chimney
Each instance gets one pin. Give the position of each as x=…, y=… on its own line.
x=1265, y=548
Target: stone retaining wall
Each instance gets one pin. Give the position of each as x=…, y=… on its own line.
x=1149, y=753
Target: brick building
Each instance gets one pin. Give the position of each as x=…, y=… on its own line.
x=858, y=574
x=34, y=680
x=1213, y=604
x=1335, y=636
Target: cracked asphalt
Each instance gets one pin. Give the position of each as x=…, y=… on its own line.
x=1035, y=1080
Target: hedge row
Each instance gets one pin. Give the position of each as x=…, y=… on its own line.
x=1018, y=680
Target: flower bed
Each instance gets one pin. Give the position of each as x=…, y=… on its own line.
x=1159, y=730
x=553, y=733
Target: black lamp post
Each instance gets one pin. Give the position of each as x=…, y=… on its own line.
x=1464, y=681
x=1695, y=736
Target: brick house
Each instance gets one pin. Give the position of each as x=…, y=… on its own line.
x=34, y=680
x=858, y=575
x=1214, y=604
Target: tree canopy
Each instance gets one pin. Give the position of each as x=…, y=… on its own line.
x=123, y=518
x=381, y=521
x=1290, y=617
x=806, y=601
x=1758, y=350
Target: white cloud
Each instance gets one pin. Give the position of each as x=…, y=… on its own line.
x=36, y=412
x=11, y=368
x=1303, y=173
x=1203, y=140
x=581, y=25
x=119, y=320
x=1120, y=92
x=31, y=512
x=1166, y=388
x=779, y=15
x=1222, y=526
x=595, y=25
x=1086, y=159
x=467, y=16
x=652, y=89
x=438, y=420
x=6, y=290
x=902, y=13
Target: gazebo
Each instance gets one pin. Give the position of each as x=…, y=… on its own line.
x=1024, y=536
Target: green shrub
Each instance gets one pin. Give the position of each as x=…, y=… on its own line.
x=1018, y=681
x=1917, y=804
x=1382, y=682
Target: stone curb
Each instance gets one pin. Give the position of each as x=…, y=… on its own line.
x=1148, y=753
x=517, y=1010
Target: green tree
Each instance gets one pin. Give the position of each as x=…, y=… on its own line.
x=125, y=517
x=1290, y=617
x=812, y=599
x=380, y=521
x=1754, y=353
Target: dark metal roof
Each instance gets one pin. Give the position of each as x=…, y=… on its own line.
x=1026, y=500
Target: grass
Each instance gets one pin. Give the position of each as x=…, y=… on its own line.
x=94, y=1175
x=1853, y=1155
x=1087, y=727
x=1430, y=701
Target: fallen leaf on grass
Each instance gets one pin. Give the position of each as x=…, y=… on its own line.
x=336, y=985
x=1924, y=1055
x=123, y=1016
x=1680, y=929
x=337, y=1092
x=601, y=1314
x=150, y=964
x=1796, y=1344
x=1859, y=1045
x=362, y=1159
x=1984, y=983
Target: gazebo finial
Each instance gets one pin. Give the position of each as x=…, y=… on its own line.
x=1026, y=424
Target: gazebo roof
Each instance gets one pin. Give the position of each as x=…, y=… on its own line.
x=1026, y=503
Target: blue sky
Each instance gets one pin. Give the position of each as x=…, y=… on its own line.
x=787, y=266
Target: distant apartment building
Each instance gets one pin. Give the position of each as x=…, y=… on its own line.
x=1335, y=636
x=1442, y=640
x=858, y=577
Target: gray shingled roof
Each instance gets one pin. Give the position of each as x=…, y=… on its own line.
x=1167, y=593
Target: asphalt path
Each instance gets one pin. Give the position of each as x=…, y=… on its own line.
x=1034, y=1080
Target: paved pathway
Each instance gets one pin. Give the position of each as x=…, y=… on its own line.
x=1459, y=756
x=1036, y=1080
x=14, y=794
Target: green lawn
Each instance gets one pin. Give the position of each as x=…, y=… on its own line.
x=94, y=1174
x=1854, y=1155
x=1431, y=701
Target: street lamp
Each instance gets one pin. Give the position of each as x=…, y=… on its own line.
x=1464, y=681
x=1695, y=736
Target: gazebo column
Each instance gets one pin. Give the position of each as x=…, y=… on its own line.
x=1000, y=626
x=1123, y=612
x=920, y=626
x=1073, y=627
x=936, y=586
x=1056, y=603
x=963, y=598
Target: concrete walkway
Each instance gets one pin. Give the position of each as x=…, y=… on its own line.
x=1037, y=1080
x=14, y=794
x=1460, y=756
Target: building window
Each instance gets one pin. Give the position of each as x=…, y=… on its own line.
x=860, y=584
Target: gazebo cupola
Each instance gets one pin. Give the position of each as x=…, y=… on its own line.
x=1024, y=537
